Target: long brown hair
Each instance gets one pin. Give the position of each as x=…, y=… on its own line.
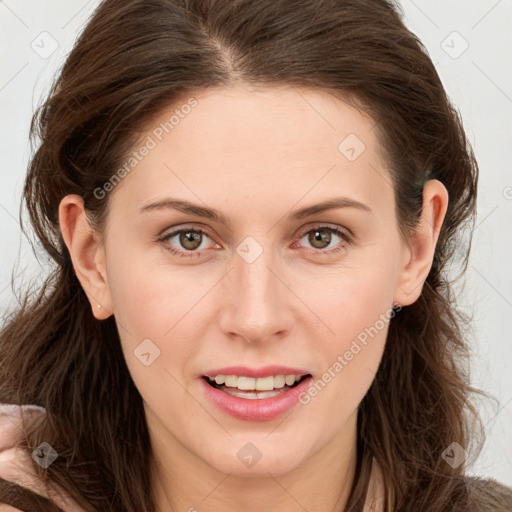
x=135, y=57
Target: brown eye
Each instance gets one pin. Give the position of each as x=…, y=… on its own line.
x=187, y=242
x=320, y=238
x=190, y=240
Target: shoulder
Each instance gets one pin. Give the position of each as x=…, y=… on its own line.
x=20, y=487
x=11, y=423
x=13, y=468
x=11, y=426
x=487, y=495
x=11, y=416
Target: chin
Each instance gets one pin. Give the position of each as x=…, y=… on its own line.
x=254, y=456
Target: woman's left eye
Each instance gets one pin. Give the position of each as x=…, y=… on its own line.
x=191, y=240
x=315, y=236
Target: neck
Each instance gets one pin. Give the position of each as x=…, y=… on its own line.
x=182, y=482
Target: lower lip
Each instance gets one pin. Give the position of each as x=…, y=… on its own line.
x=259, y=409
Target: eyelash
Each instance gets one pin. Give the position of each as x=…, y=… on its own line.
x=188, y=254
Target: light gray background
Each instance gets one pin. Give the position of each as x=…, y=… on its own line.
x=478, y=80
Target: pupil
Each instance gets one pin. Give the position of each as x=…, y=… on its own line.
x=318, y=237
x=189, y=238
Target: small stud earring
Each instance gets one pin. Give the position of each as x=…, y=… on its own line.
x=99, y=306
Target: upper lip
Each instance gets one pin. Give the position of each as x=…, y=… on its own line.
x=265, y=371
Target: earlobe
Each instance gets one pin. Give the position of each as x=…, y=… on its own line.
x=418, y=254
x=87, y=254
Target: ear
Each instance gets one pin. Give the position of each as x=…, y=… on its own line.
x=87, y=254
x=418, y=254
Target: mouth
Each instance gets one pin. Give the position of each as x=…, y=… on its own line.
x=255, y=394
x=252, y=388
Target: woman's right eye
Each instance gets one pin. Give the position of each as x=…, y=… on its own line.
x=188, y=239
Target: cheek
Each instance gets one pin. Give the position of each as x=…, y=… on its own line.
x=360, y=323
x=139, y=301
x=147, y=296
x=353, y=300
x=357, y=308
x=350, y=362
x=148, y=310
x=154, y=312
x=144, y=310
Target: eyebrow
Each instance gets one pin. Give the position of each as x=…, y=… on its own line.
x=215, y=215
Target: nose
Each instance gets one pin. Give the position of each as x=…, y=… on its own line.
x=256, y=300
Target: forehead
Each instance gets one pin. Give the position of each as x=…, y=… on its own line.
x=288, y=117
x=272, y=142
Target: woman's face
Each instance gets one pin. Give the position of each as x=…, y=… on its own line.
x=269, y=291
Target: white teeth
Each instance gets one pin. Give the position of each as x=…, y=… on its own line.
x=265, y=383
x=279, y=381
x=231, y=381
x=289, y=380
x=253, y=395
x=246, y=383
x=255, y=384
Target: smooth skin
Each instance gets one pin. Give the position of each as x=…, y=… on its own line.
x=255, y=155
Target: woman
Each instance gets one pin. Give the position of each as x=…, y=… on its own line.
x=251, y=207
